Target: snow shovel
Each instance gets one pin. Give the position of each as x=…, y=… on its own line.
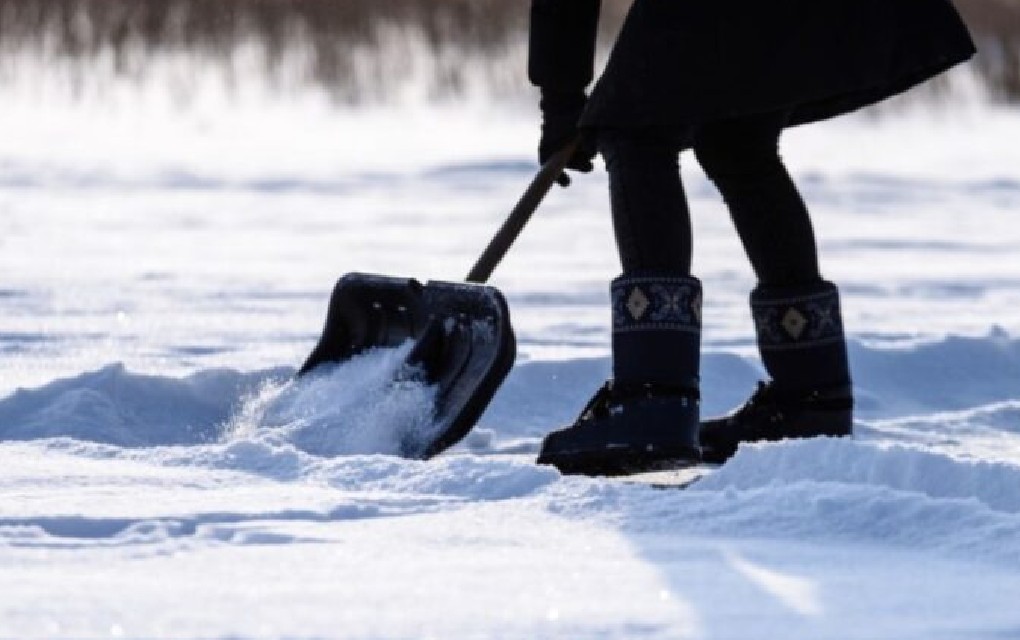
x=462, y=338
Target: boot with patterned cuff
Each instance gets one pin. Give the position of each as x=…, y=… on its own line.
x=800, y=338
x=646, y=417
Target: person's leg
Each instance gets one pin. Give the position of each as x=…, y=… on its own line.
x=648, y=413
x=742, y=158
x=656, y=303
x=796, y=312
x=650, y=215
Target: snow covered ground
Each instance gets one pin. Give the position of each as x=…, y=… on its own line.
x=162, y=274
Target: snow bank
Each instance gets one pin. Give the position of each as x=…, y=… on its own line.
x=948, y=374
x=115, y=406
x=360, y=407
x=825, y=492
x=993, y=485
x=941, y=387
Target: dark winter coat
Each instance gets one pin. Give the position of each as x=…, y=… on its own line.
x=693, y=61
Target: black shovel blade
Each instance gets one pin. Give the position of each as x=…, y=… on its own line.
x=463, y=341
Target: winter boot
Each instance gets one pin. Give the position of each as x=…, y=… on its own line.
x=800, y=337
x=647, y=416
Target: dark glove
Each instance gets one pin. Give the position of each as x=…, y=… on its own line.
x=560, y=115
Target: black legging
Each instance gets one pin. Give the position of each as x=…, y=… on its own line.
x=741, y=156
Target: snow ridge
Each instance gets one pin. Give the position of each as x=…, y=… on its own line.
x=826, y=491
x=895, y=467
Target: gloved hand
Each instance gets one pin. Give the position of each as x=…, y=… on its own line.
x=560, y=115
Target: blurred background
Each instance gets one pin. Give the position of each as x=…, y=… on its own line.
x=352, y=52
x=181, y=181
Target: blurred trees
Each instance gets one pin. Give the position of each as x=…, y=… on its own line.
x=357, y=49
x=996, y=27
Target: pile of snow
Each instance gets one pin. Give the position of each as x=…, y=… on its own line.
x=366, y=405
x=863, y=492
x=115, y=406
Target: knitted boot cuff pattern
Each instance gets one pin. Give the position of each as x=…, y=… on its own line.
x=656, y=303
x=806, y=319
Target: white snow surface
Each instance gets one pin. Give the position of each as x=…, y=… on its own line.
x=163, y=475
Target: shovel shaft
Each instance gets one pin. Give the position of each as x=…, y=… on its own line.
x=520, y=215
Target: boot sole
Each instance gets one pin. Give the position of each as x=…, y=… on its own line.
x=621, y=461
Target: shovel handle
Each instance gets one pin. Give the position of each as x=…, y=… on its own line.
x=521, y=213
